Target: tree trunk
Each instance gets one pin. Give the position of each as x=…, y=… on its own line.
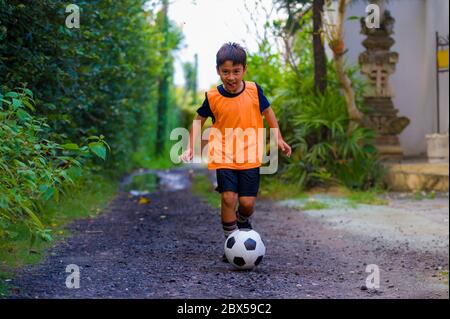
x=163, y=89
x=338, y=52
x=320, y=62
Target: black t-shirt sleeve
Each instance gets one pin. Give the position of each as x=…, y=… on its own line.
x=205, y=109
x=263, y=102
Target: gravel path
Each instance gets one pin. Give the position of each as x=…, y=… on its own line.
x=171, y=248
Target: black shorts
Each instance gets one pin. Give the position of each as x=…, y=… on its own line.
x=245, y=182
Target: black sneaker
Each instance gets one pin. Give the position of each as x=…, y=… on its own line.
x=245, y=224
x=224, y=258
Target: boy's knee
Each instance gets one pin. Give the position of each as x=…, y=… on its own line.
x=246, y=206
x=229, y=198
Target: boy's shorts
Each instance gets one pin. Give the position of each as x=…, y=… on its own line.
x=245, y=182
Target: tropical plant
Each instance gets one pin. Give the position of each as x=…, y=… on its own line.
x=326, y=152
x=34, y=168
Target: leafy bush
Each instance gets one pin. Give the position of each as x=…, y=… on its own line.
x=326, y=151
x=34, y=168
x=266, y=68
x=99, y=79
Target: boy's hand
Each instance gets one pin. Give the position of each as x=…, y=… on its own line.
x=187, y=156
x=285, y=148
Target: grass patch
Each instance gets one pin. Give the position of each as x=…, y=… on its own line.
x=4, y=288
x=144, y=160
x=421, y=195
x=314, y=205
x=202, y=187
x=88, y=200
x=276, y=189
x=367, y=198
x=444, y=275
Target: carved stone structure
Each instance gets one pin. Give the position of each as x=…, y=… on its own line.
x=378, y=63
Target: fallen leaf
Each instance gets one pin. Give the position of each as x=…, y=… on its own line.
x=143, y=201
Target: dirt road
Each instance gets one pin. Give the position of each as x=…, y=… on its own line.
x=171, y=248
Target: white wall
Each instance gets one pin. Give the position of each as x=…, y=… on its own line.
x=437, y=19
x=414, y=81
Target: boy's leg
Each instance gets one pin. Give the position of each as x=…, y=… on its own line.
x=228, y=208
x=227, y=186
x=248, y=189
x=245, y=210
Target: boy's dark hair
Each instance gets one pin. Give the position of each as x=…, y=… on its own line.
x=231, y=52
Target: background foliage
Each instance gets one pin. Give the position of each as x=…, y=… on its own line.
x=325, y=150
x=66, y=92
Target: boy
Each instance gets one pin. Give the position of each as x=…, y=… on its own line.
x=232, y=105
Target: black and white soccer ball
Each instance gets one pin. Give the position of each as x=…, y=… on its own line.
x=244, y=249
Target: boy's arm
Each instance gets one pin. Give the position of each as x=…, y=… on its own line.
x=273, y=123
x=189, y=153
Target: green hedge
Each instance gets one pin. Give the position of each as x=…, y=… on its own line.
x=65, y=92
x=99, y=79
x=34, y=168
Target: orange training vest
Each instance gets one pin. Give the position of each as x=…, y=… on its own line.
x=234, y=139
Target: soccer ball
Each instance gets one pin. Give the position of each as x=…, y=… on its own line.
x=244, y=249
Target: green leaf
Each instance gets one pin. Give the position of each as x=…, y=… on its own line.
x=48, y=193
x=107, y=145
x=70, y=146
x=19, y=163
x=45, y=234
x=56, y=195
x=12, y=94
x=353, y=18
x=50, y=106
x=4, y=202
x=75, y=172
x=98, y=149
x=32, y=239
x=33, y=217
x=23, y=115
x=369, y=149
x=28, y=105
x=12, y=234
x=43, y=188
x=16, y=104
x=28, y=92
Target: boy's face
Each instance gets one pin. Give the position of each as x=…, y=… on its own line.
x=231, y=76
